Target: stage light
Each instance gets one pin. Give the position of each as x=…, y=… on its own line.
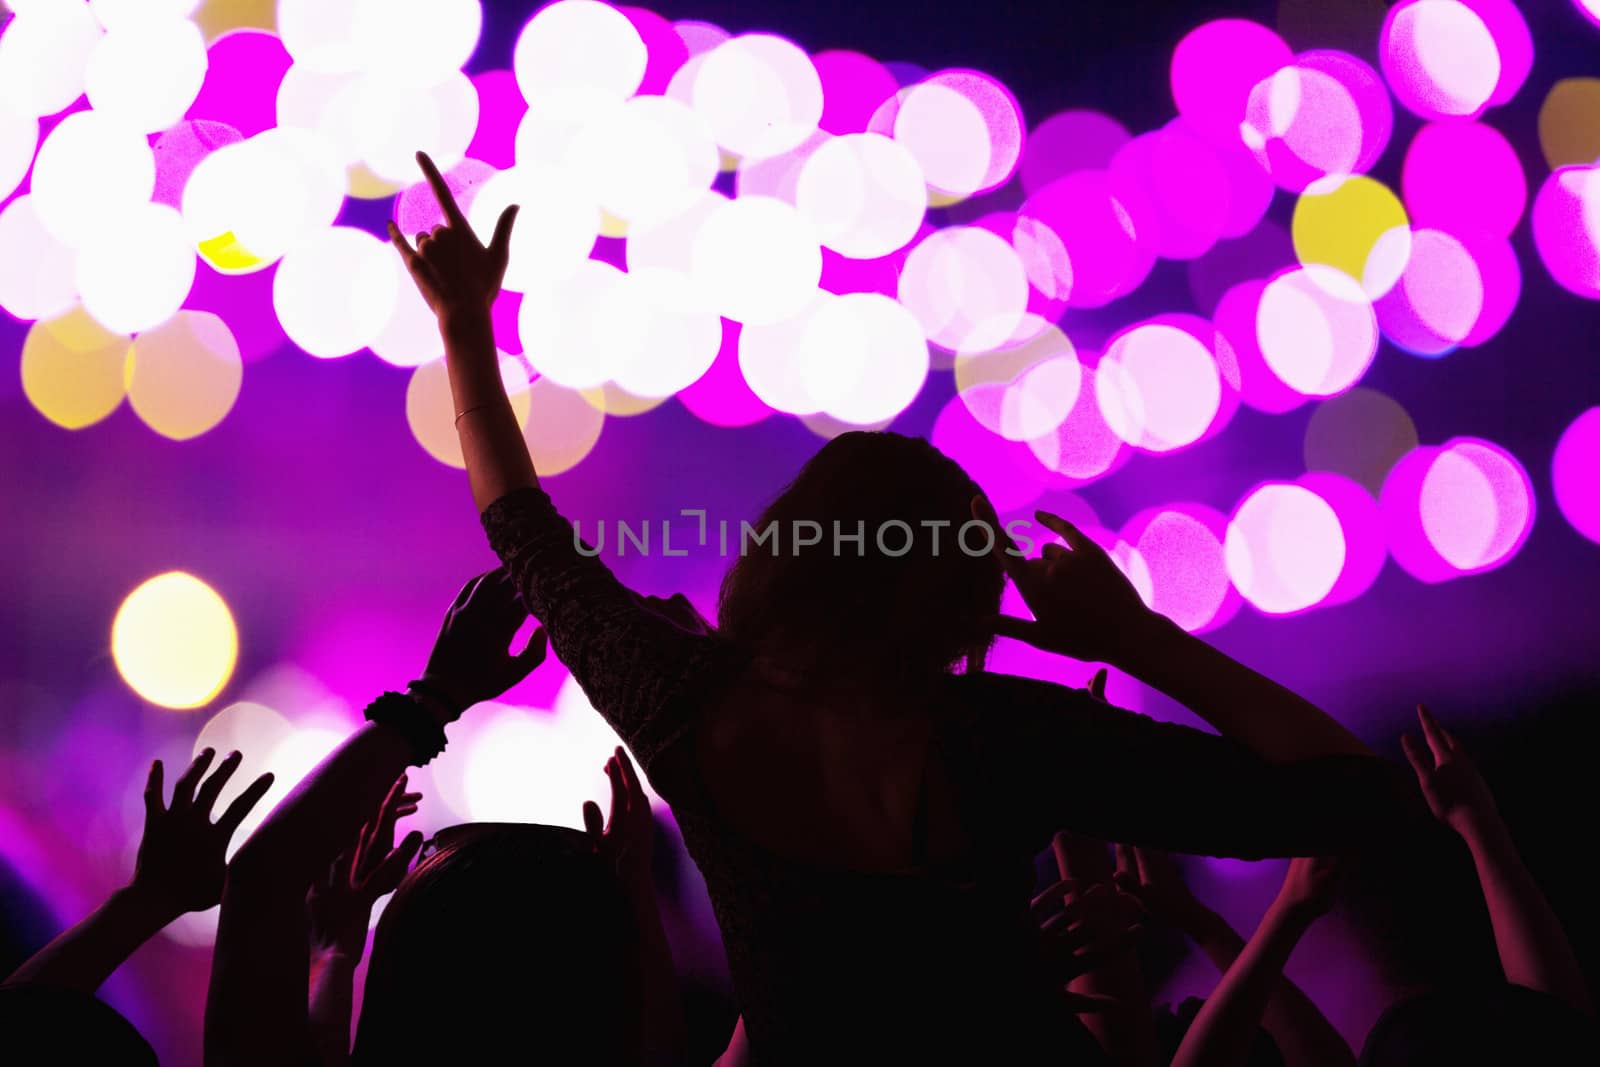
x=577, y=56
x=1438, y=299
x=1361, y=435
x=415, y=43
x=1158, y=387
x=174, y=641
x=136, y=273
x=1181, y=550
x=72, y=369
x=392, y=124
x=144, y=75
x=1285, y=548
x=1572, y=472
x=38, y=274
x=43, y=54
x=760, y=93
x=1439, y=58
x=577, y=331
x=1569, y=123
x=89, y=173
x=756, y=259
x=967, y=287
x=1070, y=141
x=863, y=358
x=1362, y=526
x=854, y=86
x=19, y=137
x=1316, y=330
x=646, y=160
x=946, y=134
x=683, y=342
x=1091, y=217
x=184, y=376
x=1566, y=228
x=1216, y=67
x=1022, y=390
x=1338, y=223
x=334, y=291
x=668, y=245
x=1463, y=175
x=562, y=428
x=864, y=193
x=1304, y=125
x=430, y=411
x=244, y=73
x=556, y=226
x=1589, y=9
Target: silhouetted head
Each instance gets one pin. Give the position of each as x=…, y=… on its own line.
x=62, y=1026
x=914, y=593
x=1500, y=1023
x=509, y=941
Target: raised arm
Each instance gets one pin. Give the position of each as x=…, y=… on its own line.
x=256, y=1011
x=1534, y=950
x=1085, y=607
x=1225, y=1029
x=459, y=277
x=180, y=868
x=1302, y=1032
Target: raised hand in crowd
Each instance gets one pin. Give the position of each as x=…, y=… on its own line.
x=257, y=1008
x=181, y=867
x=1533, y=948
x=340, y=911
x=626, y=837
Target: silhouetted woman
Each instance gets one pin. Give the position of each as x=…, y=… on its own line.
x=864, y=816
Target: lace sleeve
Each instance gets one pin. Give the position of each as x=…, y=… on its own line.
x=637, y=665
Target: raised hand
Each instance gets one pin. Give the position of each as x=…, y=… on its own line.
x=453, y=270
x=627, y=835
x=1456, y=793
x=183, y=855
x=472, y=659
x=1083, y=605
x=340, y=907
x=1157, y=880
x=1308, y=888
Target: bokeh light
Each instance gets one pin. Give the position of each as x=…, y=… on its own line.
x=1316, y=330
x=119, y=78
x=863, y=358
x=38, y=274
x=1362, y=527
x=430, y=411
x=174, y=641
x=577, y=56
x=415, y=43
x=1067, y=142
x=760, y=93
x=72, y=369
x=1566, y=228
x=964, y=130
x=1339, y=226
x=576, y=332
x=646, y=160
x=854, y=86
x=334, y=292
x=1022, y=390
x=19, y=138
x=179, y=150
x=1186, y=183
x=556, y=226
x=562, y=427
x=1438, y=299
x=184, y=375
x=1464, y=175
x=1090, y=215
x=1181, y=547
x=135, y=273
x=1460, y=508
x=1158, y=387
x=1569, y=122
x=756, y=260
x=1572, y=473
x=864, y=193
x=244, y=72
x=43, y=55
x=1367, y=92
x=967, y=287
x=89, y=173
x=1304, y=125
x=1439, y=58
x=1217, y=66
x=1285, y=548
x=1360, y=435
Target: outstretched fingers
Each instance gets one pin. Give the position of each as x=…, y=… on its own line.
x=236, y=812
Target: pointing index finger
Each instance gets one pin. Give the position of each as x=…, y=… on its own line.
x=441, y=190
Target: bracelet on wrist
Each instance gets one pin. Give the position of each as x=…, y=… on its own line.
x=412, y=721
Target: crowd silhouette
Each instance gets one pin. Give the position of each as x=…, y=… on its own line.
x=863, y=798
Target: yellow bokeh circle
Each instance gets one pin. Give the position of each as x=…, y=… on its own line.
x=72, y=369
x=1338, y=223
x=174, y=641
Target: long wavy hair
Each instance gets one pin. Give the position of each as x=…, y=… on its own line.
x=510, y=942
x=904, y=606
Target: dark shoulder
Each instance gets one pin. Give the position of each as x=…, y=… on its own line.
x=985, y=693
